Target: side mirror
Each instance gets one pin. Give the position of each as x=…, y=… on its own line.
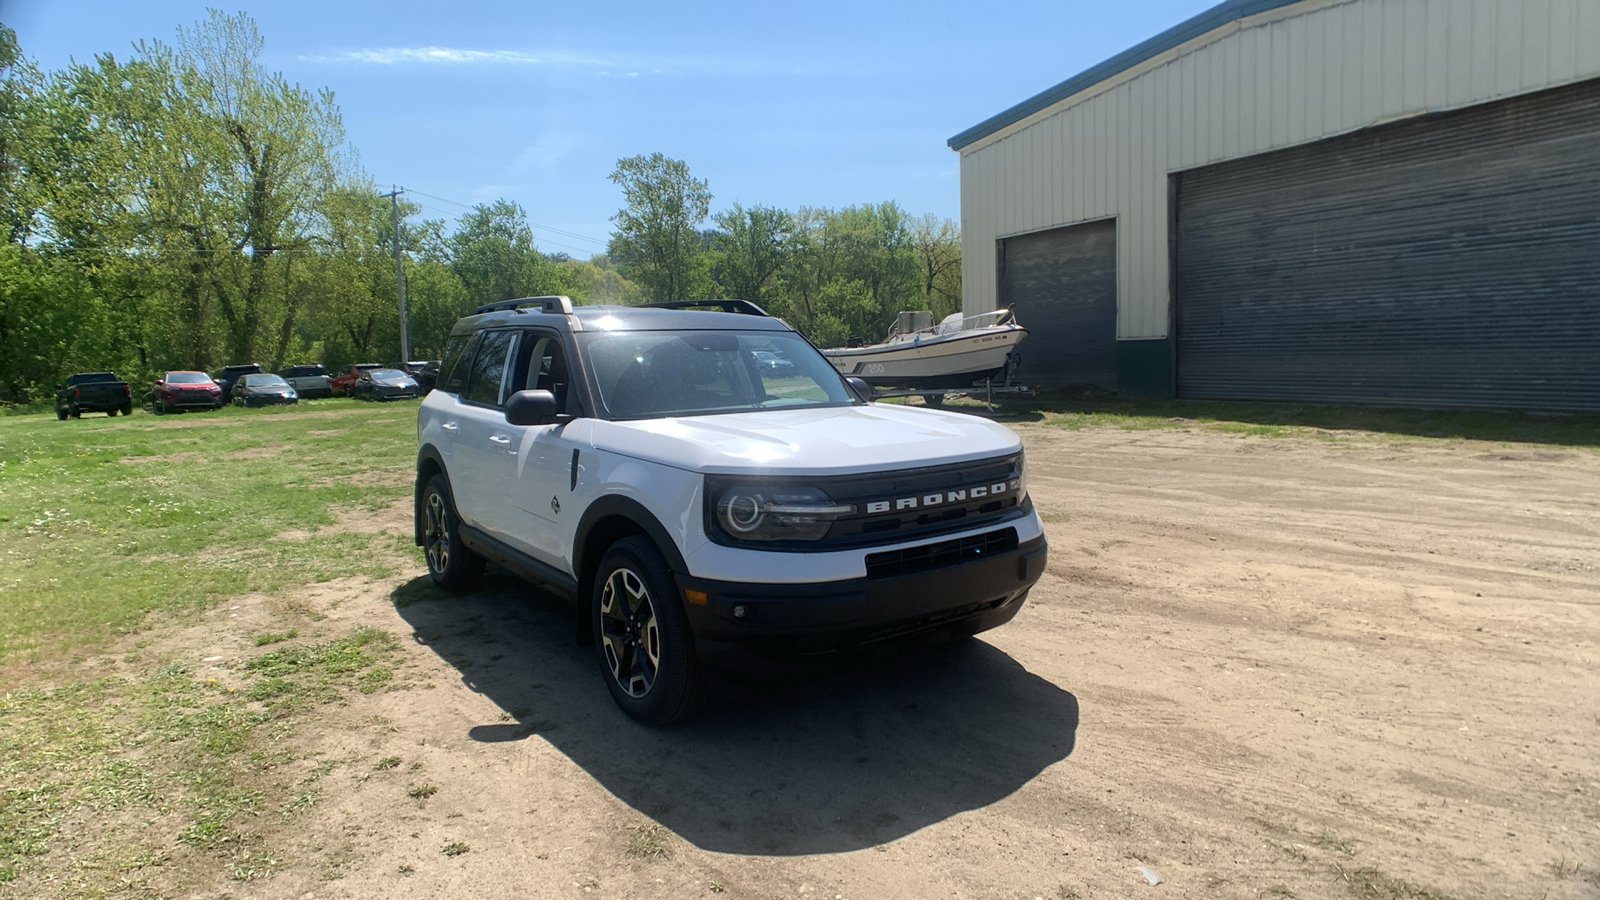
x=860, y=386
x=531, y=408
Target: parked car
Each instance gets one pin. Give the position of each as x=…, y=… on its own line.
x=631, y=460
x=93, y=392
x=345, y=382
x=427, y=376
x=180, y=390
x=263, y=389
x=766, y=359
x=309, y=380
x=230, y=374
x=386, y=384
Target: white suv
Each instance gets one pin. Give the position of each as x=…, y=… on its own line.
x=706, y=508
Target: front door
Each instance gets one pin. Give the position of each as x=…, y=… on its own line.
x=539, y=497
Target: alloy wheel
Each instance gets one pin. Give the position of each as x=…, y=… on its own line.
x=629, y=633
x=436, y=533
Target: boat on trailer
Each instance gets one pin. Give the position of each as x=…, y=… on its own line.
x=957, y=353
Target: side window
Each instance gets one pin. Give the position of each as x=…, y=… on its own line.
x=489, y=367
x=452, y=369
x=541, y=366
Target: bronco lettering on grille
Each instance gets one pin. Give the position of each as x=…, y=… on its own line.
x=944, y=498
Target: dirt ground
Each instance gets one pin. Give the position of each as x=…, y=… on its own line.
x=1256, y=667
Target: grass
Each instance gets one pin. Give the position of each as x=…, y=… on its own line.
x=648, y=841
x=164, y=746
x=1368, y=883
x=146, y=776
x=104, y=520
x=1069, y=409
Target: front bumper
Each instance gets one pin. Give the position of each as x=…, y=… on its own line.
x=270, y=399
x=193, y=400
x=777, y=628
x=393, y=393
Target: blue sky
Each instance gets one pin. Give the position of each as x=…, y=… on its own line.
x=820, y=104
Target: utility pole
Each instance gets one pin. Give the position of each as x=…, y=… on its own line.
x=400, y=276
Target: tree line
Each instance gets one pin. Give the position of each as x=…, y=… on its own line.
x=185, y=208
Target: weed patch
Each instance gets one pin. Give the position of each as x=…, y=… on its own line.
x=164, y=745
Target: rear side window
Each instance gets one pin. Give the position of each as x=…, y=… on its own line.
x=452, y=369
x=489, y=365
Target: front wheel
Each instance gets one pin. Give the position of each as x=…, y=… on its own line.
x=646, y=650
x=450, y=564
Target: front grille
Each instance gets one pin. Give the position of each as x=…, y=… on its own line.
x=896, y=506
x=911, y=560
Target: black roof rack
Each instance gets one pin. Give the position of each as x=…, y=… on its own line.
x=744, y=307
x=554, y=303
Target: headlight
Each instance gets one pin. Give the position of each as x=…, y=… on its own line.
x=776, y=513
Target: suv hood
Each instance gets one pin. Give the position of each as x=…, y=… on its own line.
x=829, y=441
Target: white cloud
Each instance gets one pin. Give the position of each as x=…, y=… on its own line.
x=457, y=56
x=545, y=152
x=622, y=64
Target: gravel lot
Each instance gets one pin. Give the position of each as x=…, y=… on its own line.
x=1314, y=666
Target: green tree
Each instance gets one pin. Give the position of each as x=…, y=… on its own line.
x=19, y=80
x=936, y=244
x=751, y=247
x=273, y=149
x=657, y=242
x=493, y=253
x=598, y=281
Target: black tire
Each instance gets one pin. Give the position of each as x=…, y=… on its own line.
x=933, y=399
x=73, y=410
x=61, y=413
x=642, y=637
x=127, y=408
x=450, y=564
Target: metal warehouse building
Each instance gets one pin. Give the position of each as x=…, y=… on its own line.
x=1374, y=201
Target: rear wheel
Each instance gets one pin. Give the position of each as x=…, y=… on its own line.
x=61, y=413
x=450, y=564
x=127, y=408
x=646, y=650
x=73, y=410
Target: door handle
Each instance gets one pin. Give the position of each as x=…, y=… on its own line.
x=450, y=427
x=500, y=439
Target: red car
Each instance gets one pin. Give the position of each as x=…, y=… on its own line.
x=185, y=390
x=345, y=382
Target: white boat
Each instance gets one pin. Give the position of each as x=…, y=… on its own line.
x=957, y=353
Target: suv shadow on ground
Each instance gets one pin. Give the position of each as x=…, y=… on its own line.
x=854, y=760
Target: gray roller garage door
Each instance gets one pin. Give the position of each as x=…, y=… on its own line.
x=1063, y=285
x=1452, y=260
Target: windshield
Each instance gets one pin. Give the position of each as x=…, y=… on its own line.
x=388, y=374
x=655, y=373
x=188, y=378
x=265, y=381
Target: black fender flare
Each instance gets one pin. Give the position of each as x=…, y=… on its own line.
x=634, y=511
x=428, y=457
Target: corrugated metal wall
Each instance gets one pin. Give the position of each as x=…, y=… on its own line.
x=1286, y=77
x=1443, y=261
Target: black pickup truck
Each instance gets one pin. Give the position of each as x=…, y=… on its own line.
x=93, y=392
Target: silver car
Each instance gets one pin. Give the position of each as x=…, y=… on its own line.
x=308, y=380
